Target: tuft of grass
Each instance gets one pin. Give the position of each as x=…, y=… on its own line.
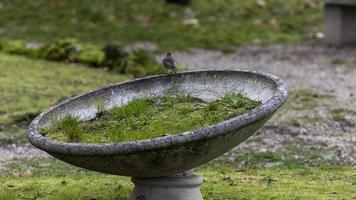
x=132, y=109
x=146, y=118
x=71, y=127
x=220, y=24
x=337, y=61
x=338, y=114
x=238, y=101
x=341, y=115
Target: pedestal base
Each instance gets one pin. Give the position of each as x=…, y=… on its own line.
x=180, y=187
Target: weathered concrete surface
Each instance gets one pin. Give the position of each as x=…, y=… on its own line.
x=163, y=188
x=171, y=154
x=340, y=22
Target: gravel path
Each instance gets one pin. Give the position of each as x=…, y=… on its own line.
x=15, y=152
x=19, y=151
x=323, y=70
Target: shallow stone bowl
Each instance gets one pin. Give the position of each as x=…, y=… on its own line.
x=171, y=154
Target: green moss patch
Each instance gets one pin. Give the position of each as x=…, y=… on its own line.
x=14, y=47
x=149, y=118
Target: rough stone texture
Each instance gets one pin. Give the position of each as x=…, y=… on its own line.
x=340, y=23
x=171, y=154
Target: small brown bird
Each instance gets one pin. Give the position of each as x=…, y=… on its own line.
x=169, y=63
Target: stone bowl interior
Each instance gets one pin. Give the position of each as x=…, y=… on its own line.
x=167, y=155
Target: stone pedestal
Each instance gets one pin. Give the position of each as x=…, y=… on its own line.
x=180, y=187
x=340, y=22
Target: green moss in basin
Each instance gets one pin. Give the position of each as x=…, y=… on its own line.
x=147, y=118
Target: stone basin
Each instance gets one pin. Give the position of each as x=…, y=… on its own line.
x=169, y=155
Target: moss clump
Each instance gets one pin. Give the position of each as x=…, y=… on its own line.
x=88, y=54
x=115, y=56
x=142, y=63
x=15, y=47
x=59, y=50
x=149, y=118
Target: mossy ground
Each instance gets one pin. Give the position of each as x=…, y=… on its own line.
x=57, y=180
x=145, y=118
x=221, y=24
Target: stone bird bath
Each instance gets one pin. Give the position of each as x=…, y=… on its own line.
x=161, y=167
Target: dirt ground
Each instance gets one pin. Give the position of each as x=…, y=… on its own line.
x=320, y=129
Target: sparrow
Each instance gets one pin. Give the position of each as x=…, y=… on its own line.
x=169, y=63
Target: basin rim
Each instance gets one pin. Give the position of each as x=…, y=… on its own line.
x=119, y=148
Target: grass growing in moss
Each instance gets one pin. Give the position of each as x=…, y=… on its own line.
x=70, y=126
x=146, y=118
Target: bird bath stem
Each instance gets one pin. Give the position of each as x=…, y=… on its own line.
x=183, y=186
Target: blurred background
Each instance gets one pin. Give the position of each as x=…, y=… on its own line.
x=211, y=24
x=53, y=50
